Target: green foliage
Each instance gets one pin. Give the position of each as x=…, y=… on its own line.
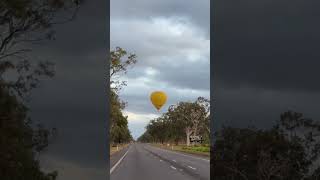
x=26, y=22
x=121, y=60
x=172, y=125
x=283, y=152
x=119, y=131
x=20, y=143
x=22, y=23
x=197, y=148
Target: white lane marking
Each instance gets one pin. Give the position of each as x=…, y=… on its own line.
x=182, y=154
x=114, y=167
x=173, y=167
x=192, y=167
x=174, y=160
x=160, y=160
x=181, y=170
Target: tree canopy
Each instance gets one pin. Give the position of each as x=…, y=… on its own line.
x=271, y=154
x=120, y=62
x=24, y=23
x=179, y=122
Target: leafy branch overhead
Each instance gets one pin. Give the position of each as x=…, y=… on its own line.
x=23, y=24
x=121, y=60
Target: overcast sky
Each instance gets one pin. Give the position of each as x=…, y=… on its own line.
x=172, y=42
x=266, y=60
x=74, y=101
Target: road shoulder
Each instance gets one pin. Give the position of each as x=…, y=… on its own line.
x=115, y=157
x=195, y=154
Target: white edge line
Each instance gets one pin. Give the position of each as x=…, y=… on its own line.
x=182, y=154
x=192, y=167
x=114, y=167
x=173, y=167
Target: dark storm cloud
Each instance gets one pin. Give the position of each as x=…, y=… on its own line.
x=270, y=45
x=74, y=101
x=265, y=60
x=85, y=34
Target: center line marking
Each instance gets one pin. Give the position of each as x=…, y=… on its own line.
x=174, y=160
x=173, y=167
x=192, y=167
x=160, y=160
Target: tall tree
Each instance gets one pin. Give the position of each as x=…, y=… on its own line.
x=20, y=143
x=249, y=154
x=190, y=116
x=121, y=60
x=24, y=23
x=181, y=121
x=288, y=151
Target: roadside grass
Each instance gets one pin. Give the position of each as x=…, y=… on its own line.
x=203, y=150
x=114, y=149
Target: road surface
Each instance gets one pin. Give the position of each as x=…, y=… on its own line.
x=145, y=162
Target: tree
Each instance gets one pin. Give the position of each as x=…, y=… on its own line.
x=286, y=151
x=181, y=121
x=159, y=129
x=190, y=116
x=24, y=23
x=250, y=154
x=298, y=128
x=120, y=62
x=119, y=131
x=20, y=143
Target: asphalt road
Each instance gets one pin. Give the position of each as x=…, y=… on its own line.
x=145, y=162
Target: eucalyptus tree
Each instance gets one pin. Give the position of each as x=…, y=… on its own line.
x=189, y=116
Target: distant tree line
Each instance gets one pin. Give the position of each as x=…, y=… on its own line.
x=288, y=151
x=179, y=123
x=121, y=60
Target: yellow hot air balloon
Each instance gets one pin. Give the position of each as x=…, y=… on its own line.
x=158, y=99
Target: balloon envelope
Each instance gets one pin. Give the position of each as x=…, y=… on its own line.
x=158, y=99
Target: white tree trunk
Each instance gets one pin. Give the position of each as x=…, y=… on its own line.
x=188, y=133
x=188, y=139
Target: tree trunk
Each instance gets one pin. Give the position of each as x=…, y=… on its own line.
x=188, y=133
x=188, y=139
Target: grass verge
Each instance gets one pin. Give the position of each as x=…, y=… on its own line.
x=114, y=149
x=203, y=150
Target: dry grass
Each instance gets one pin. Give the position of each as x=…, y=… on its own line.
x=115, y=149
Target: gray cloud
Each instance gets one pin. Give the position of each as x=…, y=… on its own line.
x=74, y=101
x=171, y=41
x=267, y=45
x=265, y=60
x=198, y=11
